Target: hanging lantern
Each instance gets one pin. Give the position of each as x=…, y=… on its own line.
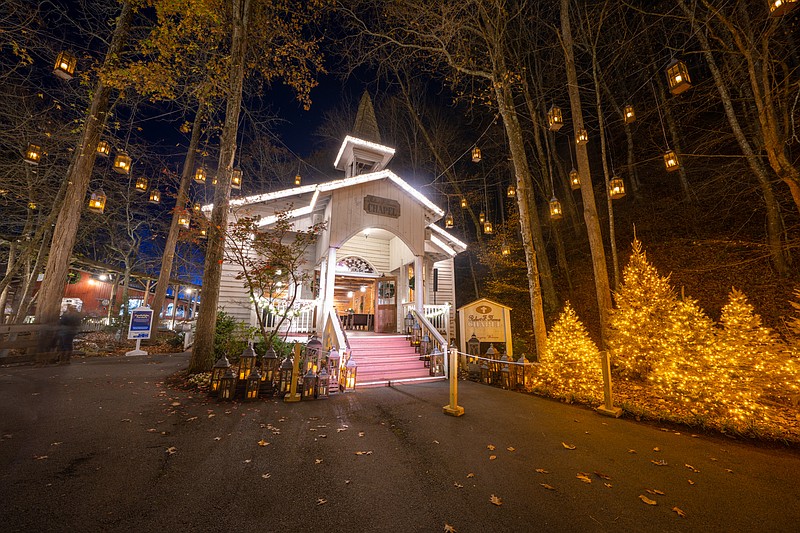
x=236, y=179
x=630, y=114
x=487, y=228
x=33, y=154
x=297, y=180
x=122, y=163
x=476, y=155
x=65, y=65
x=554, y=118
x=482, y=217
x=671, y=161
x=511, y=192
x=779, y=8
x=448, y=220
x=574, y=179
x=155, y=196
x=183, y=220
x=463, y=203
x=203, y=233
x=214, y=181
x=197, y=208
x=103, y=148
x=505, y=249
x=200, y=175
x=141, y=184
x=97, y=201
x=678, y=77
x=581, y=137
x=555, y=209
x=616, y=188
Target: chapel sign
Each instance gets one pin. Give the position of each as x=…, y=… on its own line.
x=489, y=321
x=384, y=207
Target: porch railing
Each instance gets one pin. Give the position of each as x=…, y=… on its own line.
x=437, y=315
x=300, y=316
x=333, y=335
x=438, y=360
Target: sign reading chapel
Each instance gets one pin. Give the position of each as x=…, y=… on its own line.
x=384, y=207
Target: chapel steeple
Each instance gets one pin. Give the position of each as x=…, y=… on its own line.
x=361, y=151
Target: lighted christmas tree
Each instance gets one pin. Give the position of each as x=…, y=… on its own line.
x=571, y=364
x=794, y=321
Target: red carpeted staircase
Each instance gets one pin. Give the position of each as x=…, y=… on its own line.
x=386, y=359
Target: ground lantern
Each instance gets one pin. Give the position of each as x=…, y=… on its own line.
x=247, y=362
x=269, y=366
x=218, y=371
x=227, y=385
x=350, y=374
x=309, y=384
x=334, y=360
x=253, y=383
x=285, y=378
x=323, y=383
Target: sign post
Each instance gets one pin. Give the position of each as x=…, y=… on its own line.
x=140, y=328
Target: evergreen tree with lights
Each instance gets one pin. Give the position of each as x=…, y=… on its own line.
x=570, y=365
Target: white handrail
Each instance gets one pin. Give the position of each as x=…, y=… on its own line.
x=332, y=324
x=425, y=324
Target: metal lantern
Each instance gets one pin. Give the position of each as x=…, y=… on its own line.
x=448, y=220
x=217, y=372
x=616, y=187
x=511, y=192
x=200, y=175
x=236, y=179
x=581, y=137
x=671, y=161
x=463, y=203
x=65, y=65
x=309, y=385
x=155, y=196
x=313, y=353
x=482, y=217
x=247, y=362
x=103, y=148
x=416, y=334
x=487, y=228
x=227, y=385
x=678, y=77
x=252, y=385
x=555, y=209
x=437, y=362
x=520, y=381
x=505, y=373
x=574, y=179
x=476, y=155
x=474, y=345
x=33, y=154
x=554, y=118
x=779, y=8
x=141, y=184
x=122, y=163
x=97, y=201
x=203, y=233
x=630, y=114
x=285, y=377
x=425, y=345
x=197, y=208
x=505, y=249
x=323, y=384
x=334, y=360
x=486, y=376
x=297, y=180
x=349, y=376
x=269, y=366
x=408, y=323
x=214, y=181
x=183, y=220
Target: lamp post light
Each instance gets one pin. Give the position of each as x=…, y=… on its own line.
x=217, y=372
x=252, y=385
x=227, y=385
x=334, y=360
x=247, y=362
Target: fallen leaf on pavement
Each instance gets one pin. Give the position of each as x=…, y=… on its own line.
x=125, y=420
x=542, y=471
x=317, y=461
x=660, y=462
x=490, y=447
x=346, y=481
x=172, y=449
x=608, y=485
x=548, y=487
x=602, y=475
x=266, y=476
x=728, y=470
x=647, y=500
x=339, y=430
x=152, y=430
x=679, y=512
x=448, y=528
x=217, y=438
x=360, y=433
x=568, y=446
x=211, y=415
x=495, y=500
x=492, y=457
x=690, y=467
x=246, y=461
x=321, y=501
x=583, y=477
x=511, y=449
x=458, y=485
x=262, y=442
x=656, y=449
x=690, y=482
x=631, y=451
x=436, y=442
x=655, y=491
x=470, y=475
x=364, y=453
x=40, y=457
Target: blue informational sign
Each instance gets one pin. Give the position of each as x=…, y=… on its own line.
x=141, y=322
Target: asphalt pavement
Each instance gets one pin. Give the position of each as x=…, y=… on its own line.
x=103, y=445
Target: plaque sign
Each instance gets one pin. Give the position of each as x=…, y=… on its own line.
x=384, y=207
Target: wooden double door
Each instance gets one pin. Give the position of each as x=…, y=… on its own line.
x=386, y=305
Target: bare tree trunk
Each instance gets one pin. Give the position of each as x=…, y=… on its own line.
x=180, y=204
x=12, y=250
x=203, y=350
x=126, y=293
x=64, y=234
x=26, y=299
x=587, y=190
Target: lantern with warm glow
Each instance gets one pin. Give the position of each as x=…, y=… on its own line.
x=103, y=148
x=505, y=373
x=416, y=334
x=122, y=163
x=488, y=229
x=33, y=154
x=574, y=179
x=334, y=360
x=97, y=201
x=436, y=362
x=616, y=188
x=482, y=217
x=183, y=221
x=323, y=384
x=252, y=385
x=196, y=207
x=349, y=375
x=200, y=175
x=217, y=372
x=203, y=233
x=678, y=77
x=236, y=179
x=425, y=346
x=463, y=203
x=779, y=8
x=581, y=137
x=65, y=65
x=555, y=209
x=474, y=345
x=505, y=249
x=141, y=184
x=297, y=180
x=227, y=385
x=554, y=118
x=285, y=376
x=486, y=376
x=247, y=362
x=671, y=161
x=518, y=378
x=511, y=192
x=408, y=323
x=630, y=114
x=269, y=367
x=476, y=155
x=155, y=196
x=309, y=385
x=313, y=352
x=448, y=220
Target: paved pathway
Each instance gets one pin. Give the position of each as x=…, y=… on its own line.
x=102, y=445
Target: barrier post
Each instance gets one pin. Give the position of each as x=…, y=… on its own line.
x=453, y=409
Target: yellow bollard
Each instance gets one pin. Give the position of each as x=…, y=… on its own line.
x=607, y=408
x=453, y=409
x=293, y=395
